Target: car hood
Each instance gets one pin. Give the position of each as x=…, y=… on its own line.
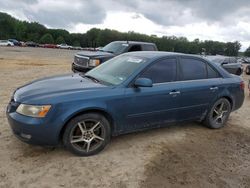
x=95, y=54
x=44, y=89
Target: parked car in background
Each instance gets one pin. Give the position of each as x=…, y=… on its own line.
x=228, y=63
x=15, y=42
x=86, y=60
x=249, y=87
x=246, y=60
x=248, y=69
x=23, y=43
x=64, y=46
x=77, y=48
x=6, y=43
x=31, y=44
x=132, y=92
x=49, y=45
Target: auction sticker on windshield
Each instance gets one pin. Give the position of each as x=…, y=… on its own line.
x=135, y=60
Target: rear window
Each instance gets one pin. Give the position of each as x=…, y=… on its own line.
x=148, y=47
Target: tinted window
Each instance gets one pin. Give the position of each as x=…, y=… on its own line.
x=115, y=47
x=211, y=73
x=192, y=69
x=148, y=47
x=161, y=71
x=135, y=48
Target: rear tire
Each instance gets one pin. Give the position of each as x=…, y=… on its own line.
x=239, y=72
x=248, y=70
x=218, y=114
x=87, y=134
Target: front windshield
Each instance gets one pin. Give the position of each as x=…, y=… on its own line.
x=117, y=70
x=115, y=47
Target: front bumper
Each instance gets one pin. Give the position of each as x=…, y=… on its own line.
x=76, y=68
x=36, y=131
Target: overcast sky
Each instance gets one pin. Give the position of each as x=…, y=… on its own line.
x=223, y=20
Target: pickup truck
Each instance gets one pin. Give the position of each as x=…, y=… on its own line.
x=86, y=60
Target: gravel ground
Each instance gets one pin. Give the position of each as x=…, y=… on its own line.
x=184, y=155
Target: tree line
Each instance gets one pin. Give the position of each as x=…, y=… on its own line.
x=33, y=31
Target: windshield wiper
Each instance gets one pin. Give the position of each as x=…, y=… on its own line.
x=91, y=78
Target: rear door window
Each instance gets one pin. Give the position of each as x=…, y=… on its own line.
x=211, y=73
x=192, y=69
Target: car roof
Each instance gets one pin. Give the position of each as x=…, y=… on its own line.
x=211, y=57
x=135, y=42
x=159, y=54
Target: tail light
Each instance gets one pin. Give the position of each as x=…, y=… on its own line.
x=242, y=85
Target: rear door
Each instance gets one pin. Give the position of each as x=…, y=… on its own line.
x=200, y=84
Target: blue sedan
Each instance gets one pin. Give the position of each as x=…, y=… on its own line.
x=131, y=92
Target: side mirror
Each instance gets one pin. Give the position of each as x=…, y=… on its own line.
x=143, y=82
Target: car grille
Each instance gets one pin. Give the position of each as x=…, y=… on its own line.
x=81, y=61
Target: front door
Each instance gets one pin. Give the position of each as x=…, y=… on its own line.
x=157, y=105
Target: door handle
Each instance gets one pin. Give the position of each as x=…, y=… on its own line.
x=174, y=92
x=214, y=88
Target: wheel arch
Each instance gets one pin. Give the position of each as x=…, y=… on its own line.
x=84, y=111
x=229, y=99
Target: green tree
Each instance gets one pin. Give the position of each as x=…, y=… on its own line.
x=60, y=40
x=76, y=43
x=247, y=52
x=232, y=48
x=47, y=39
x=33, y=31
x=92, y=35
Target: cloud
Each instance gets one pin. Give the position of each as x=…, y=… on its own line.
x=54, y=13
x=164, y=12
x=225, y=20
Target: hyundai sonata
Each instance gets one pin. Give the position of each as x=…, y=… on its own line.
x=131, y=92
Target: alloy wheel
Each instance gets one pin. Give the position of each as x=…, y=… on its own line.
x=220, y=113
x=87, y=135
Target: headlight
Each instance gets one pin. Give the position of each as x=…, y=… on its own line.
x=94, y=62
x=33, y=111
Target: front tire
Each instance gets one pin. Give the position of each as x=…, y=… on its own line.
x=87, y=134
x=218, y=114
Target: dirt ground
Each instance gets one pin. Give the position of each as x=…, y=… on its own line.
x=185, y=155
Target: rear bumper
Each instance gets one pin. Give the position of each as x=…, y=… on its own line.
x=239, y=101
x=76, y=68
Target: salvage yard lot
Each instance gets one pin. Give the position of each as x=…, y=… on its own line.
x=187, y=155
